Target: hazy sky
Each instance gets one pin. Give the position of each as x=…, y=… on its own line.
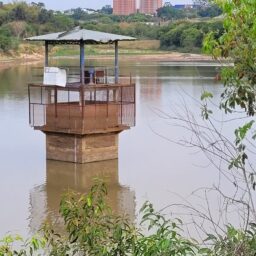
x=95, y=4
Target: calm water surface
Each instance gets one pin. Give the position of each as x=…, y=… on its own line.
x=149, y=167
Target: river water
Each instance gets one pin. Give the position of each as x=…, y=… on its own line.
x=149, y=167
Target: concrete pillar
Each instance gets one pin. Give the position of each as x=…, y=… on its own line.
x=81, y=148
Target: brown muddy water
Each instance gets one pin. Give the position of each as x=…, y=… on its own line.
x=149, y=167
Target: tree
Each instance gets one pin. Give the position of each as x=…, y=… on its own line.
x=237, y=44
x=45, y=16
x=172, y=37
x=209, y=11
x=187, y=35
x=107, y=9
x=78, y=13
x=233, y=157
x=39, y=4
x=7, y=42
x=19, y=12
x=234, y=160
x=62, y=22
x=18, y=28
x=168, y=13
x=202, y=3
x=191, y=37
x=207, y=8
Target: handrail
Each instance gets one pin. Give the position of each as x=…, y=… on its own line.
x=77, y=86
x=82, y=108
x=95, y=74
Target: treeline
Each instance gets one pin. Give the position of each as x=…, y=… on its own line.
x=171, y=13
x=187, y=36
x=19, y=20
x=182, y=36
x=165, y=13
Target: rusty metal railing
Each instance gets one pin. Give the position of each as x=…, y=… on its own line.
x=93, y=75
x=82, y=109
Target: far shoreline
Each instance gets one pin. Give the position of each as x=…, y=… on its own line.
x=175, y=57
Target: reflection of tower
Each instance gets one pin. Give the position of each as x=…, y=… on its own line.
x=151, y=85
x=45, y=199
x=38, y=208
x=151, y=89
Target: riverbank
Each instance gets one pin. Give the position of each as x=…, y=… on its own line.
x=6, y=62
x=25, y=59
x=170, y=56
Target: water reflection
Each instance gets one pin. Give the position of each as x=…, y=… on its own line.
x=60, y=177
x=153, y=89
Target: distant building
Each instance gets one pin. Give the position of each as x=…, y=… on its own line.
x=150, y=6
x=124, y=7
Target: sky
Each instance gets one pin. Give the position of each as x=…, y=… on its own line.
x=95, y=4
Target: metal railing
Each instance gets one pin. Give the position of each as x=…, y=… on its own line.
x=93, y=75
x=82, y=109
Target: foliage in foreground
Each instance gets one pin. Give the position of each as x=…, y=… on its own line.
x=237, y=43
x=238, y=98
x=91, y=228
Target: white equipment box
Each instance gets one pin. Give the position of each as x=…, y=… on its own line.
x=55, y=76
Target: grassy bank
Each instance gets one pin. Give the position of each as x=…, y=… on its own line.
x=143, y=47
x=36, y=50
x=23, y=52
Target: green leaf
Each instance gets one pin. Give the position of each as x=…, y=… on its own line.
x=241, y=132
x=206, y=95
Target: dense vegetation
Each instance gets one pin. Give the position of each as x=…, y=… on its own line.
x=91, y=228
x=170, y=26
x=19, y=20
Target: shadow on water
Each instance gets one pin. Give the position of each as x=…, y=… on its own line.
x=61, y=177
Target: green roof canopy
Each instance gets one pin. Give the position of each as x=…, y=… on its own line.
x=77, y=35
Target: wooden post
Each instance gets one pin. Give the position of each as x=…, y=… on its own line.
x=116, y=63
x=82, y=61
x=46, y=58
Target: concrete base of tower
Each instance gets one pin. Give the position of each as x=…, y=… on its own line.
x=81, y=148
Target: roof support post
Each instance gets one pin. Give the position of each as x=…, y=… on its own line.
x=46, y=58
x=82, y=62
x=116, y=63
